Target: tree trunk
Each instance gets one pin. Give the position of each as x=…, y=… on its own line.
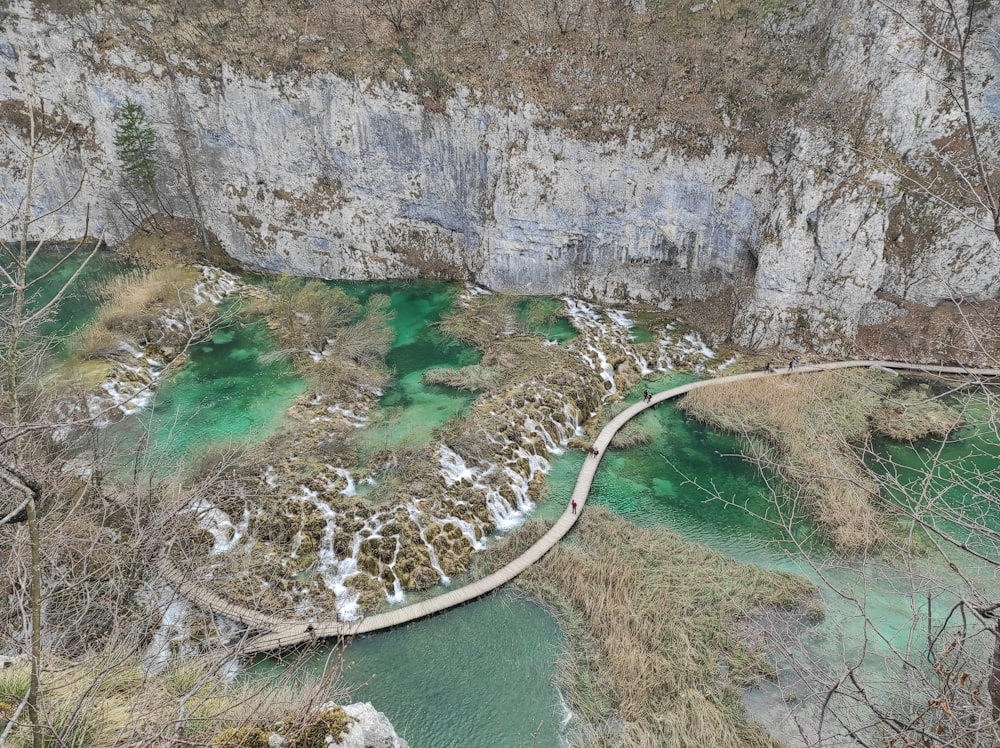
x=994, y=679
x=36, y=625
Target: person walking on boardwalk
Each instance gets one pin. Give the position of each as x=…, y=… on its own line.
x=574, y=506
x=646, y=396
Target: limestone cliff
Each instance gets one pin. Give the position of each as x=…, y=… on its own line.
x=317, y=175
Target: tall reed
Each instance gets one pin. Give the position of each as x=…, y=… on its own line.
x=807, y=426
x=650, y=618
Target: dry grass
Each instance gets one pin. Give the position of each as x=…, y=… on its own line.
x=494, y=325
x=807, y=426
x=640, y=430
x=114, y=702
x=475, y=378
x=790, y=410
x=649, y=617
x=334, y=341
x=914, y=414
x=133, y=303
x=483, y=321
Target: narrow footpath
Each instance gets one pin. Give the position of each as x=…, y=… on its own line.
x=278, y=633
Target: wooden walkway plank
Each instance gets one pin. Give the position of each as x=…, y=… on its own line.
x=279, y=633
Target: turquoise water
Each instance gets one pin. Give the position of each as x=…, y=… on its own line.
x=539, y=315
x=230, y=391
x=963, y=474
x=471, y=677
x=226, y=393
x=418, y=304
x=642, y=330
x=479, y=675
x=677, y=480
x=409, y=410
x=80, y=300
x=692, y=480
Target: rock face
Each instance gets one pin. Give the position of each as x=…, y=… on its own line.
x=321, y=176
x=372, y=729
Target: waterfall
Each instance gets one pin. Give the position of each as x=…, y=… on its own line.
x=225, y=534
x=414, y=512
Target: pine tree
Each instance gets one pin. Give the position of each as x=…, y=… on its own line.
x=136, y=145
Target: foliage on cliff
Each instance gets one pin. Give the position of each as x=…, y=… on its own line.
x=600, y=69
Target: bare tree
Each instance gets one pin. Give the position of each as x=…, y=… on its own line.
x=20, y=350
x=76, y=549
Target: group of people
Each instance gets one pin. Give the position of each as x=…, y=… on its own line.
x=791, y=365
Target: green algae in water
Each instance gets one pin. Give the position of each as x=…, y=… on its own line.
x=644, y=323
x=477, y=675
x=963, y=470
x=418, y=304
x=410, y=410
x=665, y=482
x=540, y=315
x=960, y=476
x=225, y=393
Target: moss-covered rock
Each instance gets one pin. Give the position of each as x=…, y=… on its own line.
x=371, y=592
x=242, y=737
x=423, y=577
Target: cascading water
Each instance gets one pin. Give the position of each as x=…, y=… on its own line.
x=550, y=422
x=426, y=535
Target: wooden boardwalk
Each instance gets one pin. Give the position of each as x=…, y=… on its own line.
x=277, y=633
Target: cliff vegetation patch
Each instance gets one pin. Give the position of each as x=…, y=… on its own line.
x=598, y=69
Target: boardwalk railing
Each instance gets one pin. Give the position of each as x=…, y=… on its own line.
x=277, y=633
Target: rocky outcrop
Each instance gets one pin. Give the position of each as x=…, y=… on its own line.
x=351, y=179
x=371, y=729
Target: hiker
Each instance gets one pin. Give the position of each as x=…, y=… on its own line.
x=311, y=630
x=595, y=451
x=769, y=369
x=791, y=364
x=574, y=506
x=646, y=396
